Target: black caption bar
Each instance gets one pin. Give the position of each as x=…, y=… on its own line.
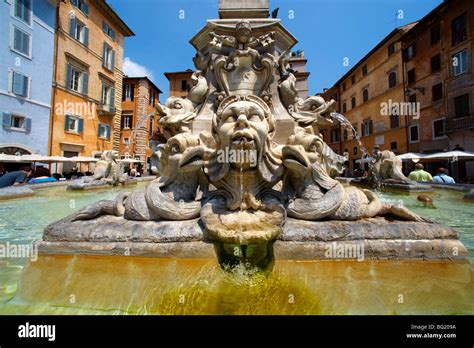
x=137, y=331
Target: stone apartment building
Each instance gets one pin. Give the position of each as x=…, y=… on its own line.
x=298, y=62
x=438, y=63
x=372, y=83
x=26, y=64
x=139, y=118
x=179, y=82
x=87, y=80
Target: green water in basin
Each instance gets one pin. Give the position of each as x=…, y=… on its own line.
x=120, y=285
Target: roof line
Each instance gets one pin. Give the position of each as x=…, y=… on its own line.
x=141, y=78
x=123, y=26
x=372, y=51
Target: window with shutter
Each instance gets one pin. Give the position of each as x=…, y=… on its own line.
x=108, y=30
x=411, y=76
x=460, y=63
x=19, y=84
x=80, y=125
x=7, y=119
x=437, y=91
x=459, y=29
x=66, y=122
x=74, y=78
x=27, y=124
x=81, y=5
x=394, y=121
x=85, y=41
x=22, y=10
x=108, y=57
x=73, y=124
x=391, y=49
x=435, y=33
x=21, y=41
x=112, y=99
x=85, y=83
x=439, y=128
x=112, y=60
x=461, y=105
x=392, y=79
x=365, y=95
x=414, y=134
x=436, y=63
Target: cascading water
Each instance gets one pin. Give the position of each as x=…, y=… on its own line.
x=376, y=182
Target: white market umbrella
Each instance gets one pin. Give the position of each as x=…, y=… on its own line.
x=33, y=158
x=83, y=159
x=411, y=156
x=462, y=155
x=9, y=158
x=129, y=160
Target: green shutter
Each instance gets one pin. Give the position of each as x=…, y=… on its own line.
x=104, y=47
x=107, y=129
x=112, y=60
x=26, y=81
x=86, y=36
x=85, y=83
x=66, y=122
x=68, y=75
x=25, y=47
x=112, y=99
x=28, y=124
x=16, y=39
x=98, y=129
x=75, y=2
x=72, y=25
x=85, y=8
x=80, y=126
x=7, y=119
x=104, y=102
x=112, y=34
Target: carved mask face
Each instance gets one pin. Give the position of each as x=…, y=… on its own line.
x=180, y=154
x=243, y=127
x=303, y=149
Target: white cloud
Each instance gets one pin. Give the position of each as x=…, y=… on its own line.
x=132, y=69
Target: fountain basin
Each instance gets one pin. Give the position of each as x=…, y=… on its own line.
x=75, y=284
x=374, y=238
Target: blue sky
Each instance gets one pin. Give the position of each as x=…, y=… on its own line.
x=327, y=31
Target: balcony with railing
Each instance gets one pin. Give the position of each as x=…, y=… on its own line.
x=106, y=109
x=466, y=122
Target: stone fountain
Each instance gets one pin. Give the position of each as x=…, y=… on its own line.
x=245, y=176
x=107, y=172
x=385, y=173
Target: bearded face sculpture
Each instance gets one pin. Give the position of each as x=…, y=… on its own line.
x=244, y=125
